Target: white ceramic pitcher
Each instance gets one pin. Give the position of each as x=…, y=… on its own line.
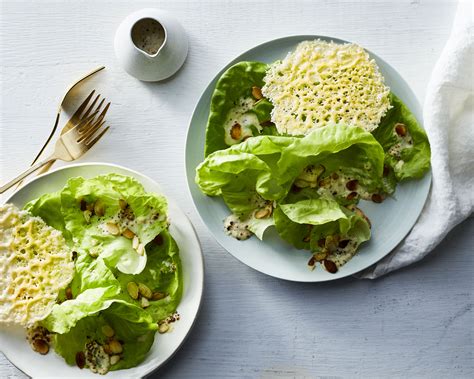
x=151, y=44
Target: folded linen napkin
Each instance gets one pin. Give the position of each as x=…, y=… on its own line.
x=448, y=115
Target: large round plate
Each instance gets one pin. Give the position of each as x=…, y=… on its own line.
x=12, y=341
x=391, y=220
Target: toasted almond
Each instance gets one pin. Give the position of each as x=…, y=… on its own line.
x=99, y=208
x=68, y=293
x=106, y=348
x=263, y=213
x=132, y=289
x=90, y=207
x=351, y=196
x=351, y=185
x=141, y=249
x=158, y=296
x=401, y=129
x=135, y=242
x=80, y=359
x=127, y=233
x=87, y=215
x=163, y=328
x=107, y=331
x=83, y=205
x=257, y=93
x=330, y=266
x=343, y=244
x=236, y=131
x=144, y=303
x=114, y=359
x=312, y=263
x=115, y=347
x=377, y=198
x=41, y=346
x=112, y=228
x=122, y=204
x=144, y=290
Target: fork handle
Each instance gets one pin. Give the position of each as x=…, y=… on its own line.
x=23, y=175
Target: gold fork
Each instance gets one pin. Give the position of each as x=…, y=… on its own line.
x=70, y=146
x=80, y=114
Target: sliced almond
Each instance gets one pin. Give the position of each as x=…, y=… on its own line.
x=140, y=249
x=127, y=233
x=401, y=129
x=115, y=347
x=112, y=228
x=236, y=131
x=107, y=331
x=135, y=242
x=163, y=328
x=263, y=213
x=114, y=359
x=99, y=208
x=144, y=303
x=257, y=92
x=132, y=289
x=144, y=290
x=122, y=204
x=158, y=296
x=87, y=215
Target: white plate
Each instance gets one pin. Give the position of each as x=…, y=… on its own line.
x=391, y=220
x=13, y=343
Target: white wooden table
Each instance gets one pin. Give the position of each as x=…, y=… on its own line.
x=413, y=323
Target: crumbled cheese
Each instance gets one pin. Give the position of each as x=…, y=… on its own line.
x=323, y=83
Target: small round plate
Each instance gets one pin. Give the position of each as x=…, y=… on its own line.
x=391, y=220
x=12, y=341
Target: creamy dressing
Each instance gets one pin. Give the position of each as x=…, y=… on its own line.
x=236, y=228
x=336, y=185
x=343, y=255
x=239, y=115
x=148, y=35
x=404, y=142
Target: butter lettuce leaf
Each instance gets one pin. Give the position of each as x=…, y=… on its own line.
x=145, y=216
x=416, y=158
x=162, y=274
x=234, y=84
x=133, y=326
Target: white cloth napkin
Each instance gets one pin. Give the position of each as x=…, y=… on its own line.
x=448, y=115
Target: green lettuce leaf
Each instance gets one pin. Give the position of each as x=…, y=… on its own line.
x=94, y=288
x=306, y=217
x=244, y=171
x=416, y=159
x=148, y=218
x=133, y=326
x=234, y=84
x=162, y=274
x=351, y=150
x=48, y=207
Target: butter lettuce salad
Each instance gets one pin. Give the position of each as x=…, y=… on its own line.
x=126, y=281
x=298, y=143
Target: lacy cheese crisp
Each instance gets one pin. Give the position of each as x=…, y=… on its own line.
x=323, y=83
x=35, y=264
